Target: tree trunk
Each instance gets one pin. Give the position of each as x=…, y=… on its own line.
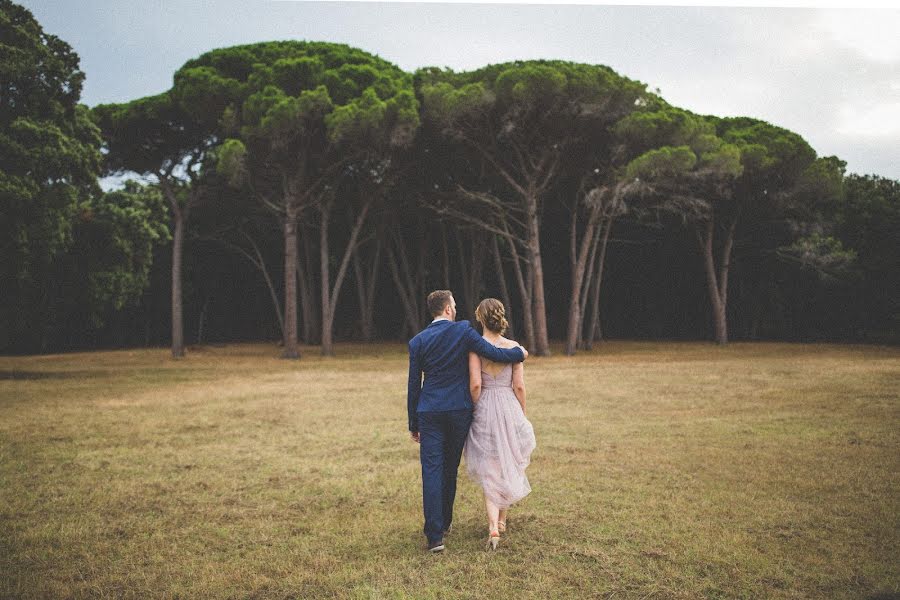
x=542, y=347
x=465, y=299
x=525, y=289
x=596, y=331
x=180, y=215
x=257, y=260
x=330, y=295
x=717, y=283
x=325, y=285
x=421, y=293
x=365, y=290
x=290, y=287
x=274, y=295
x=201, y=320
x=307, y=287
x=524, y=284
x=588, y=284
x=177, y=307
x=471, y=272
x=404, y=284
x=579, y=259
x=501, y=279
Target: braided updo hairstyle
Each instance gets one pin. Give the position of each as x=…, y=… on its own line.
x=491, y=314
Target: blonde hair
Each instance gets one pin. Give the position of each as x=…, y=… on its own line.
x=491, y=314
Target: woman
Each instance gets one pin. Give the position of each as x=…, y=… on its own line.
x=500, y=439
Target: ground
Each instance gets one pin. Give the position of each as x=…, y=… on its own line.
x=663, y=470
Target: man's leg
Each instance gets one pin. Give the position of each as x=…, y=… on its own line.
x=459, y=422
x=431, y=454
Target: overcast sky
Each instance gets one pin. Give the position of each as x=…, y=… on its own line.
x=831, y=75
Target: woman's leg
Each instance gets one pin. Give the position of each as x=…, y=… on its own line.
x=502, y=517
x=493, y=514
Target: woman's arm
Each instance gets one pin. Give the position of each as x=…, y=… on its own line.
x=474, y=376
x=518, y=383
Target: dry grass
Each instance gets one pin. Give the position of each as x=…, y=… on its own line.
x=664, y=470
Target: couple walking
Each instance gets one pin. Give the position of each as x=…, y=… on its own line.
x=461, y=368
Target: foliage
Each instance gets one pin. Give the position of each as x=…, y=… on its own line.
x=824, y=254
x=115, y=236
x=49, y=146
x=302, y=106
x=51, y=158
x=317, y=123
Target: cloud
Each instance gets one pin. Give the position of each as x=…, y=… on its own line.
x=872, y=33
x=831, y=75
x=796, y=68
x=878, y=120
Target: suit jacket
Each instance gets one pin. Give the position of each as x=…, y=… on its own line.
x=441, y=352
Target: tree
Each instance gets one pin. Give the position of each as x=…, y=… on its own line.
x=867, y=220
x=603, y=203
x=108, y=265
x=716, y=173
x=50, y=163
x=310, y=111
x=164, y=137
x=694, y=180
x=598, y=202
x=238, y=223
x=522, y=119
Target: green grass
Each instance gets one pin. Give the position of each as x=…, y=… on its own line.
x=663, y=470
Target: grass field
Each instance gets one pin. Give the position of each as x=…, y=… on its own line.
x=663, y=470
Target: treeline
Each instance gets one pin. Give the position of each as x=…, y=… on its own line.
x=310, y=191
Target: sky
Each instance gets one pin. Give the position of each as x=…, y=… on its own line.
x=830, y=74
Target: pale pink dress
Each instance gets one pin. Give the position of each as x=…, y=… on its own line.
x=500, y=441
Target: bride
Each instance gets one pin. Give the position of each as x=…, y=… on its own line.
x=501, y=438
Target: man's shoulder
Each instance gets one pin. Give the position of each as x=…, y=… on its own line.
x=464, y=327
x=429, y=330
x=443, y=325
x=415, y=339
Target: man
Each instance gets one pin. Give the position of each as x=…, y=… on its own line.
x=440, y=407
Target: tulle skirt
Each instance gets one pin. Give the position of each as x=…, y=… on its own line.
x=499, y=446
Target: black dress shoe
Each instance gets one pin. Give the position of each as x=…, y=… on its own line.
x=437, y=546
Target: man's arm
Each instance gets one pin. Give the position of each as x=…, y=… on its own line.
x=414, y=386
x=481, y=346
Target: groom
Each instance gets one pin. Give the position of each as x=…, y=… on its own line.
x=440, y=408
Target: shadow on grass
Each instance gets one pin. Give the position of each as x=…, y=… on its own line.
x=36, y=375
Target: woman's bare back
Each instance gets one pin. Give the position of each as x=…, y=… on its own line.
x=494, y=368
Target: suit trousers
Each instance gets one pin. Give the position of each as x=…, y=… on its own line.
x=442, y=436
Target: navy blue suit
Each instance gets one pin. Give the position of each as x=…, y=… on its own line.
x=440, y=409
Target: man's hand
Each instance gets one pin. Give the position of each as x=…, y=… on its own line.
x=524, y=351
x=415, y=436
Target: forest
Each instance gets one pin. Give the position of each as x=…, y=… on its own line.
x=310, y=193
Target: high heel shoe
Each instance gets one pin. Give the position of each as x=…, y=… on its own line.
x=501, y=526
x=493, y=541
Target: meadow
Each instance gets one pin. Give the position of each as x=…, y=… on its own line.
x=663, y=470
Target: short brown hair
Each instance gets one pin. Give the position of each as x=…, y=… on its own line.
x=438, y=301
x=492, y=315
